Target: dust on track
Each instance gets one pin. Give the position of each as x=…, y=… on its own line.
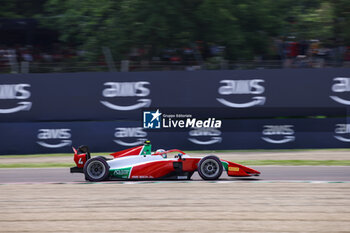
x=175, y=207
x=179, y=207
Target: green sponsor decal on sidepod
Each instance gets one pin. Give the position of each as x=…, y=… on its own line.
x=120, y=172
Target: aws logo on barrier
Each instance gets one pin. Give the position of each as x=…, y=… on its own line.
x=54, y=138
x=139, y=136
x=278, y=134
x=114, y=90
x=341, y=85
x=242, y=87
x=205, y=136
x=342, y=130
x=15, y=92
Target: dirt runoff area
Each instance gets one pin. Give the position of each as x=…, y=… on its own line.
x=231, y=156
x=175, y=207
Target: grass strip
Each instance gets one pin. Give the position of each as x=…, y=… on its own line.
x=266, y=150
x=36, y=155
x=36, y=165
x=204, y=152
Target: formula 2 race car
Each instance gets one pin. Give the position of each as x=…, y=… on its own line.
x=139, y=163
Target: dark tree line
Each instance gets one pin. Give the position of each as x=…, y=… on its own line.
x=246, y=28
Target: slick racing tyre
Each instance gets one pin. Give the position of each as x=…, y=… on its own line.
x=210, y=168
x=96, y=169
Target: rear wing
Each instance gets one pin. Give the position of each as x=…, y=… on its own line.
x=80, y=157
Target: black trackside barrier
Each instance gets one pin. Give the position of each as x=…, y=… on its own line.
x=121, y=96
x=47, y=113
x=111, y=136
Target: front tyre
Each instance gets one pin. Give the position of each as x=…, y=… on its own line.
x=210, y=168
x=96, y=169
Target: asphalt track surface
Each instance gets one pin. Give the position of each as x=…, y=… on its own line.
x=268, y=173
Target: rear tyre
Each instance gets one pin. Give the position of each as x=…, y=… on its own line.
x=210, y=168
x=96, y=169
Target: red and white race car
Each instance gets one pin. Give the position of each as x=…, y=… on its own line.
x=139, y=163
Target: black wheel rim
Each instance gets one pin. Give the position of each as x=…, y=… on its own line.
x=210, y=168
x=96, y=169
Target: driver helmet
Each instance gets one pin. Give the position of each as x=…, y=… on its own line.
x=164, y=155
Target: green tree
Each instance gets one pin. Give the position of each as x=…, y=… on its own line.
x=341, y=21
x=245, y=28
x=86, y=24
x=11, y=9
x=159, y=24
